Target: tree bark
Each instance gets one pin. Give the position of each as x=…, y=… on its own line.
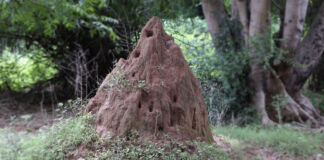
x=215, y=15
x=243, y=12
x=294, y=18
x=316, y=82
x=308, y=54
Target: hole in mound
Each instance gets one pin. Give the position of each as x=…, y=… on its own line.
x=171, y=123
x=137, y=53
x=149, y=33
x=175, y=98
x=139, y=105
x=194, y=120
x=133, y=74
x=168, y=43
x=160, y=128
x=151, y=108
x=99, y=121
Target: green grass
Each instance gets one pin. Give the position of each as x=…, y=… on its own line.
x=282, y=139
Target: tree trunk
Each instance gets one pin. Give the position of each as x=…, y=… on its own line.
x=215, y=15
x=316, y=82
x=294, y=19
x=259, y=25
x=288, y=79
x=308, y=54
x=243, y=11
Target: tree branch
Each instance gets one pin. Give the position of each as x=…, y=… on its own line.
x=277, y=5
x=308, y=54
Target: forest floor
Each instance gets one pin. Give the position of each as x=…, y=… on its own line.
x=250, y=142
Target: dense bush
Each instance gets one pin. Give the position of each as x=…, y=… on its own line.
x=21, y=70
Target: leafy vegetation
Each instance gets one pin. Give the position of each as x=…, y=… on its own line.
x=64, y=139
x=91, y=33
x=51, y=15
x=20, y=72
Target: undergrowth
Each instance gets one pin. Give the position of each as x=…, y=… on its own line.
x=64, y=140
x=76, y=137
x=55, y=142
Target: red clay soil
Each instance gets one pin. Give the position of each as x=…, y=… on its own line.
x=153, y=92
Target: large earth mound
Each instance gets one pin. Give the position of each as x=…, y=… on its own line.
x=153, y=93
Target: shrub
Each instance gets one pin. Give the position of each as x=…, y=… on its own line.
x=19, y=71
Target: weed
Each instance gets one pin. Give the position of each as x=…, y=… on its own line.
x=122, y=83
x=141, y=84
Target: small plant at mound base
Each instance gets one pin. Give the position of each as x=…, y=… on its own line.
x=133, y=148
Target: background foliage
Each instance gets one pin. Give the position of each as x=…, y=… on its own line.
x=44, y=42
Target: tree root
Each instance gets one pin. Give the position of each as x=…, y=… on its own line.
x=297, y=109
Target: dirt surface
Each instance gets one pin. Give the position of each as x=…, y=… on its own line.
x=153, y=92
x=28, y=117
